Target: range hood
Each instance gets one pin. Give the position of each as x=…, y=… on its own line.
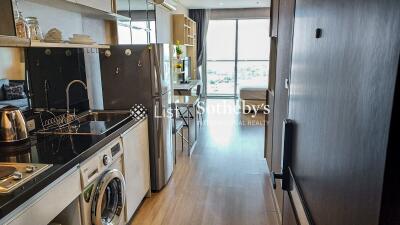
x=7, y=27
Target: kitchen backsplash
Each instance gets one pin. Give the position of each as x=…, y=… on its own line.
x=49, y=72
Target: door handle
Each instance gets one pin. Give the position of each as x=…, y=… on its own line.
x=274, y=177
x=287, y=83
x=287, y=146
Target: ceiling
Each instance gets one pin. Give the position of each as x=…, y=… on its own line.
x=224, y=4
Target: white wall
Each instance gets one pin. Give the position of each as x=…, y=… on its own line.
x=180, y=9
x=12, y=64
x=93, y=79
x=164, y=23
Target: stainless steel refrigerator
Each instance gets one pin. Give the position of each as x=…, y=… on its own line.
x=141, y=74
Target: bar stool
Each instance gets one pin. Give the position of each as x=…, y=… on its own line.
x=198, y=94
x=177, y=129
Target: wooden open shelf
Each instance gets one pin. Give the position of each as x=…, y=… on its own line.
x=36, y=44
x=184, y=30
x=8, y=41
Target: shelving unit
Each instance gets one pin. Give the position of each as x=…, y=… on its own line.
x=100, y=9
x=185, y=33
x=184, y=30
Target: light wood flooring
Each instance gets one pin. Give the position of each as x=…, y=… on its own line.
x=225, y=182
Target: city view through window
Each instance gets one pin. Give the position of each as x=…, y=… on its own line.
x=237, y=55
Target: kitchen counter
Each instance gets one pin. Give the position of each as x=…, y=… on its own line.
x=63, y=151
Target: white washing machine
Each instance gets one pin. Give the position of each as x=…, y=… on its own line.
x=103, y=187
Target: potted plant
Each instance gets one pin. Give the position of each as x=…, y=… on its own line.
x=179, y=67
x=178, y=50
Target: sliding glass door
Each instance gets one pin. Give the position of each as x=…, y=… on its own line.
x=253, y=54
x=221, y=54
x=237, y=56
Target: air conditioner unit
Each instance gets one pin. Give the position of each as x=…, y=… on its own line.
x=165, y=4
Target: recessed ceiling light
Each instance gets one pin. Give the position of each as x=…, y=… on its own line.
x=221, y=3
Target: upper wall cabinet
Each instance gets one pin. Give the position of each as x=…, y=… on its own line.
x=103, y=5
x=101, y=9
x=122, y=7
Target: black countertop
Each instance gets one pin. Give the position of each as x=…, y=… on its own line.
x=64, y=152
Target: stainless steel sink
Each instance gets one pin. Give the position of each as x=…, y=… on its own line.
x=91, y=123
x=104, y=116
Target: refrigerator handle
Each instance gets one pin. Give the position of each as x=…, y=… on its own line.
x=287, y=147
x=155, y=70
x=158, y=114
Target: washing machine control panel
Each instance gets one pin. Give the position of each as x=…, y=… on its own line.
x=116, y=149
x=92, y=168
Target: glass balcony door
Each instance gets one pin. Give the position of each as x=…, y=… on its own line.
x=237, y=56
x=221, y=55
x=253, y=54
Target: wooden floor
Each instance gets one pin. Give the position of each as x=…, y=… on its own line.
x=225, y=182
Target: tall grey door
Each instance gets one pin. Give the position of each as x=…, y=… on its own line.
x=344, y=67
x=281, y=101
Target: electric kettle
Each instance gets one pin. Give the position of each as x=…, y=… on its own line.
x=13, y=127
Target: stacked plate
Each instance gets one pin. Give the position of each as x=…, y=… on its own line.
x=81, y=39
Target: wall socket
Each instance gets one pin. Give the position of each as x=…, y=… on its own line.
x=31, y=125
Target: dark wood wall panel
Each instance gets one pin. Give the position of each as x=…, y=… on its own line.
x=390, y=211
x=342, y=87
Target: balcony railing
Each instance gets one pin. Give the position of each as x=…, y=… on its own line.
x=225, y=79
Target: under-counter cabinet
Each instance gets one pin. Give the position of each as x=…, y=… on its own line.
x=137, y=165
x=49, y=203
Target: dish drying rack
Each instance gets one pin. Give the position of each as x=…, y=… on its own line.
x=63, y=121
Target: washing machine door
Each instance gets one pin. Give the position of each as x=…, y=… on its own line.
x=109, y=199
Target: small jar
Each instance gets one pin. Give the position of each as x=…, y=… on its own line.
x=21, y=27
x=34, y=28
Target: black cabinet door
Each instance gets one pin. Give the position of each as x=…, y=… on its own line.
x=344, y=67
